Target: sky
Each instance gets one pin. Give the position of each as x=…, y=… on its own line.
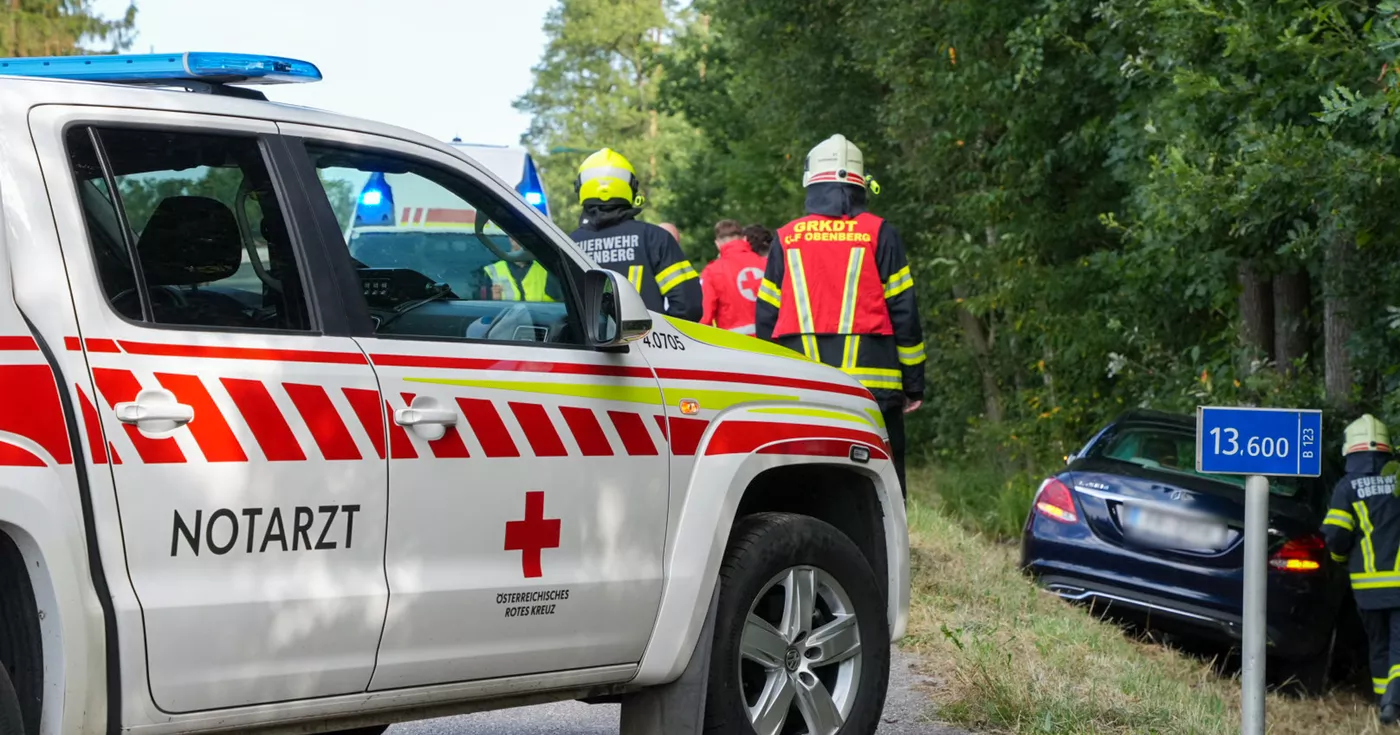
x=444, y=68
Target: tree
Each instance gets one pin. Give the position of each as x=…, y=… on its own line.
x=60, y=28
x=597, y=87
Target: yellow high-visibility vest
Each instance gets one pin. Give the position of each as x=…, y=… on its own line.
x=530, y=288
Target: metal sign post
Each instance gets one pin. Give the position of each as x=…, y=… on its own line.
x=1257, y=442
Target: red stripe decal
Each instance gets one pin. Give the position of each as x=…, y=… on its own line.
x=539, y=430
x=18, y=344
x=742, y=437
x=686, y=434
x=365, y=403
x=265, y=419
x=820, y=448
x=587, y=431
x=73, y=344
x=108, y=346
x=119, y=386
x=13, y=456
x=116, y=458
x=33, y=409
x=661, y=422
x=490, y=430
x=92, y=427
x=323, y=420
x=242, y=353
x=517, y=366
x=209, y=428
x=400, y=446
x=635, y=437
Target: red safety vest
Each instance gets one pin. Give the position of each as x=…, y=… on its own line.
x=831, y=284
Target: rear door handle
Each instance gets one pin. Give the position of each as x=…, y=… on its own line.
x=154, y=411
x=427, y=418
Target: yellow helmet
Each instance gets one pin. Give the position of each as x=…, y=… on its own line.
x=607, y=175
x=1366, y=434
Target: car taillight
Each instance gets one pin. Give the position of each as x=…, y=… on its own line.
x=1056, y=502
x=1302, y=554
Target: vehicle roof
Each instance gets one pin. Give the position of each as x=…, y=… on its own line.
x=1148, y=416
x=19, y=94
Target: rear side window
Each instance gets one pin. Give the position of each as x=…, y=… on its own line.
x=187, y=229
x=1174, y=451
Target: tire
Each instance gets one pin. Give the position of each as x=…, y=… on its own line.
x=1312, y=676
x=766, y=660
x=11, y=722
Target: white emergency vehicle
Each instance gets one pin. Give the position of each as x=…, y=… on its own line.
x=254, y=481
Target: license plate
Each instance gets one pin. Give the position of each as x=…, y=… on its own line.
x=1159, y=528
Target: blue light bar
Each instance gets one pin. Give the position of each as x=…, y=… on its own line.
x=531, y=187
x=215, y=68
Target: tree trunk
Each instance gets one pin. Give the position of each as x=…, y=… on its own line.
x=1291, y=298
x=1337, y=319
x=1256, y=310
x=976, y=337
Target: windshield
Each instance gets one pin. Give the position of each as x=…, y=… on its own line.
x=1172, y=451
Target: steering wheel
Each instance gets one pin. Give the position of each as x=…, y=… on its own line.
x=518, y=256
x=164, y=294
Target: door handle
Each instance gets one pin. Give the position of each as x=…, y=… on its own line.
x=154, y=411
x=427, y=418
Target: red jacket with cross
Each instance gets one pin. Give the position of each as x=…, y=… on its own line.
x=731, y=285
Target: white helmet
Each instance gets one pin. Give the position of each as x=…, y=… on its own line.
x=834, y=160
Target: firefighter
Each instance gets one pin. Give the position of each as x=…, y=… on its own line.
x=611, y=235
x=1363, y=530
x=837, y=288
x=731, y=282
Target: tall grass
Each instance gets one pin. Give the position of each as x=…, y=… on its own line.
x=987, y=498
x=1009, y=658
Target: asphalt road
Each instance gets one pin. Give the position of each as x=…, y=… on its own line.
x=905, y=708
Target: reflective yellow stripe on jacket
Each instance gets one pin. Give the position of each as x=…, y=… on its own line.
x=634, y=276
x=874, y=378
x=674, y=275
x=901, y=281
x=912, y=355
x=1340, y=518
x=1368, y=550
x=770, y=293
x=848, y=295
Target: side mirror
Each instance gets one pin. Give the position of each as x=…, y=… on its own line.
x=613, y=311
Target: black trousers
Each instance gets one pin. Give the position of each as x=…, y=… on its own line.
x=894, y=424
x=1383, y=640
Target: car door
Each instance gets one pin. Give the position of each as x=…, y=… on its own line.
x=527, y=502
x=244, y=439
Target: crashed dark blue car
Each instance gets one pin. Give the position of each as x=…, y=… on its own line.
x=1130, y=525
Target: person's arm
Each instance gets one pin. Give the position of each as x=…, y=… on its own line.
x=711, y=293
x=770, y=294
x=1339, y=527
x=676, y=277
x=903, y=306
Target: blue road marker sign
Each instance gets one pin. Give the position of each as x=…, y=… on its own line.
x=1282, y=442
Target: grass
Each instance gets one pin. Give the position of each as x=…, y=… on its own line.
x=1008, y=658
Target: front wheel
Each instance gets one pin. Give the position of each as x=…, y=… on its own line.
x=11, y=722
x=802, y=638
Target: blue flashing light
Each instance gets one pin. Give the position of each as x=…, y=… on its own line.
x=375, y=205
x=531, y=188
x=212, y=67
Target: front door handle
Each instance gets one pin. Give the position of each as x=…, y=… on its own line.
x=154, y=411
x=427, y=418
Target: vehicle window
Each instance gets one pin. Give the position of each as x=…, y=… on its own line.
x=186, y=229
x=439, y=257
x=1172, y=451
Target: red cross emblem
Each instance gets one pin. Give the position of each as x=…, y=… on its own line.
x=749, y=280
x=532, y=535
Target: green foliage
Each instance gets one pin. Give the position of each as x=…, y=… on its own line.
x=597, y=86
x=60, y=28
